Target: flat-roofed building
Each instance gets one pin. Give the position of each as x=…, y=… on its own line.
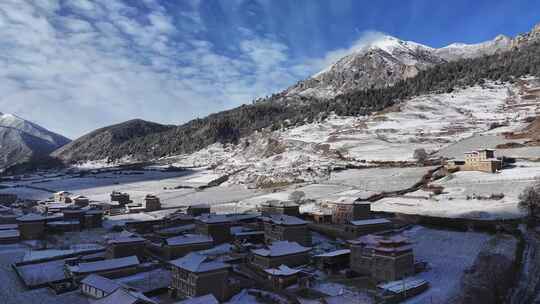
x=196, y=275
x=198, y=210
x=483, y=160
x=280, y=253
x=97, y=287
x=179, y=246
x=125, y=246
x=80, y=200
x=108, y=268
x=280, y=207
x=355, y=229
x=121, y=198
x=383, y=258
x=31, y=226
x=217, y=226
x=152, y=203
x=282, y=276
x=278, y=227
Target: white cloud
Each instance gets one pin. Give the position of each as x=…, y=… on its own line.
x=73, y=66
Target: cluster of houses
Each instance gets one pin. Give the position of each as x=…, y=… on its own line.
x=198, y=255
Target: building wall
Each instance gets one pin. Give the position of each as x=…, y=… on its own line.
x=292, y=260
x=287, y=210
x=361, y=259
x=391, y=268
x=220, y=232
x=189, y=284
x=125, y=249
x=298, y=233
x=32, y=230
x=92, y=291
x=352, y=231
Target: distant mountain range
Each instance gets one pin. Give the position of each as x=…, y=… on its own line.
x=21, y=140
x=369, y=79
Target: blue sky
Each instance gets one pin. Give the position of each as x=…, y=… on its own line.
x=76, y=65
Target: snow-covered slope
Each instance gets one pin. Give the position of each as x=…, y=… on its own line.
x=310, y=151
x=457, y=51
x=21, y=139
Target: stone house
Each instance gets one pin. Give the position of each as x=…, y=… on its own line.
x=348, y=209
x=280, y=253
x=125, y=246
x=97, y=287
x=198, y=210
x=179, y=246
x=8, y=199
x=286, y=228
x=383, y=258
x=480, y=160
x=120, y=197
x=355, y=229
x=333, y=260
x=216, y=226
x=152, y=203
x=31, y=226
x=81, y=200
x=109, y=268
x=195, y=275
x=282, y=276
x=280, y=207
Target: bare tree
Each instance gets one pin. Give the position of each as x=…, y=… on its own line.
x=420, y=155
x=297, y=196
x=529, y=199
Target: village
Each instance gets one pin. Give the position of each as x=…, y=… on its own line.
x=81, y=250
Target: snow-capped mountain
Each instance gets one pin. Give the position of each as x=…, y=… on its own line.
x=378, y=64
x=457, y=51
x=21, y=140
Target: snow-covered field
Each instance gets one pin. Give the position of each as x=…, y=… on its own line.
x=448, y=254
x=466, y=194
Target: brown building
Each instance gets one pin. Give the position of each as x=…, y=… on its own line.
x=348, y=209
x=152, y=203
x=93, y=219
x=333, y=261
x=198, y=210
x=195, y=275
x=31, y=226
x=109, y=268
x=217, y=226
x=8, y=199
x=280, y=253
x=282, y=276
x=286, y=228
x=120, y=197
x=125, y=246
x=280, y=207
x=480, y=160
x=355, y=229
x=383, y=258
x=179, y=246
x=81, y=200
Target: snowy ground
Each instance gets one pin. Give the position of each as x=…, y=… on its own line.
x=466, y=195
x=448, y=253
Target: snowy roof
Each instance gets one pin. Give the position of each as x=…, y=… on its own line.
x=7, y=234
x=214, y=218
x=196, y=262
x=110, y=264
x=281, y=248
x=126, y=240
x=122, y=296
x=369, y=240
x=207, y=299
x=8, y=226
x=31, y=217
x=402, y=285
x=199, y=206
x=177, y=229
x=64, y=223
x=276, y=203
x=282, y=270
x=188, y=239
x=101, y=283
x=282, y=219
x=148, y=281
x=375, y=221
x=334, y=253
